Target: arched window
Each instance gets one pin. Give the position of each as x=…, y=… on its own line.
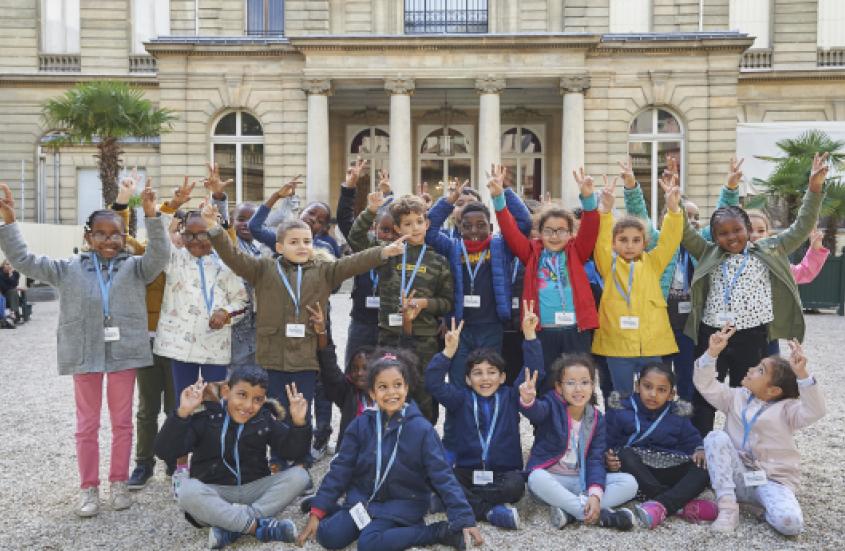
x=522, y=154
x=237, y=145
x=445, y=155
x=654, y=134
x=373, y=145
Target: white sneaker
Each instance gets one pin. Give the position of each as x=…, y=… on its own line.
x=182, y=472
x=89, y=502
x=119, y=497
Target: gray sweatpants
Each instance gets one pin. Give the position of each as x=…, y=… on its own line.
x=233, y=508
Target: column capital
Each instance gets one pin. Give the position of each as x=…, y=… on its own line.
x=400, y=85
x=317, y=86
x=490, y=84
x=574, y=83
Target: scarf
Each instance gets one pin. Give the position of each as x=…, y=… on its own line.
x=474, y=247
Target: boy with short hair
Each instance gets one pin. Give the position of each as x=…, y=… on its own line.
x=231, y=488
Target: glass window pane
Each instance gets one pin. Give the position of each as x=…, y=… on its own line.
x=509, y=141
x=640, y=153
x=460, y=143
x=433, y=171
x=530, y=142
x=276, y=12
x=253, y=172
x=250, y=126
x=532, y=174
x=357, y=146
x=643, y=123
x=226, y=126
x=430, y=144
x=381, y=143
x=460, y=169
x=667, y=123
x=255, y=16
x=224, y=156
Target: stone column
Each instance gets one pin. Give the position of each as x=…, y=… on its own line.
x=317, y=185
x=489, y=130
x=401, y=159
x=572, y=157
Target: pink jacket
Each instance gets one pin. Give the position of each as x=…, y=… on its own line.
x=771, y=439
x=810, y=266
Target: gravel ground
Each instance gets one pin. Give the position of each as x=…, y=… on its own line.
x=39, y=476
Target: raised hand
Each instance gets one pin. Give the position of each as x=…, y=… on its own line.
x=316, y=317
x=528, y=388
x=210, y=215
x=453, y=339
x=213, y=183
x=719, y=340
x=297, y=405
x=496, y=180
x=816, y=237
x=289, y=188
x=383, y=181
x=126, y=188
x=453, y=193
x=547, y=198
x=395, y=248
x=818, y=174
x=673, y=199
x=584, y=181
x=354, y=172
x=735, y=173
x=191, y=398
x=608, y=195
x=7, y=204
x=529, y=320
x=182, y=194
x=148, y=199
x=797, y=359
x=375, y=201
x=626, y=172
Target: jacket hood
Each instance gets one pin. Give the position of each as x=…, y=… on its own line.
x=617, y=400
x=411, y=411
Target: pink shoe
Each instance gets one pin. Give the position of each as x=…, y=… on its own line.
x=699, y=510
x=651, y=514
x=728, y=517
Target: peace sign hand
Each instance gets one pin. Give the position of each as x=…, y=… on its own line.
x=127, y=186
x=354, y=172
x=816, y=239
x=528, y=388
x=818, y=174
x=411, y=307
x=453, y=339
x=529, y=320
x=213, y=183
x=148, y=199
x=626, y=171
x=191, y=398
x=7, y=204
x=584, y=181
x=375, y=200
x=496, y=180
x=383, y=181
x=797, y=360
x=719, y=340
x=297, y=405
x=182, y=194
x=317, y=319
x=735, y=173
x=608, y=195
x=289, y=188
x=210, y=215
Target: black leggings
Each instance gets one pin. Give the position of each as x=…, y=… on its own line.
x=672, y=487
x=507, y=487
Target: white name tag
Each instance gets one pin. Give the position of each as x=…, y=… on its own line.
x=360, y=516
x=295, y=330
x=373, y=302
x=754, y=478
x=472, y=301
x=629, y=322
x=684, y=307
x=570, y=458
x=564, y=318
x=394, y=320
x=515, y=303
x=481, y=478
x=111, y=334
x=725, y=317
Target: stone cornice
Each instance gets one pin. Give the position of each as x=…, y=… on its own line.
x=224, y=47
x=46, y=80
x=666, y=44
x=530, y=41
x=799, y=75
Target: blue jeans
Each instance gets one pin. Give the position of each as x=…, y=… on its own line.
x=185, y=374
x=339, y=530
x=682, y=363
x=623, y=371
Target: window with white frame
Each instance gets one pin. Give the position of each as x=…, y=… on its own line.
x=265, y=17
x=150, y=19
x=753, y=18
x=630, y=16
x=60, y=26
x=372, y=144
x=237, y=146
x=445, y=153
x=522, y=155
x=831, y=29
x=654, y=135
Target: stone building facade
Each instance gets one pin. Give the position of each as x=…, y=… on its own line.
x=428, y=89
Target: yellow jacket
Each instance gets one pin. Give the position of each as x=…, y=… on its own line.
x=654, y=335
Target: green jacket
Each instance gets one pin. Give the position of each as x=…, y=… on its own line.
x=788, y=319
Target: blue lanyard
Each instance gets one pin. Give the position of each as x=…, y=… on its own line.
x=374, y=281
x=635, y=438
x=105, y=286
x=630, y=291
x=379, y=482
x=559, y=270
x=748, y=425
x=294, y=297
x=515, y=270
x=404, y=290
x=207, y=294
x=249, y=247
x=237, y=470
x=485, y=442
x=729, y=286
x=470, y=272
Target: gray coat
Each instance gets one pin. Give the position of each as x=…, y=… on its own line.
x=81, y=345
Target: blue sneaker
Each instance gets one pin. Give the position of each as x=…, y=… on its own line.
x=504, y=516
x=270, y=529
x=219, y=538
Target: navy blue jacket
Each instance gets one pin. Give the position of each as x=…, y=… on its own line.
x=268, y=237
x=362, y=286
x=420, y=466
x=675, y=433
x=551, y=423
x=501, y=257
x=505, y=453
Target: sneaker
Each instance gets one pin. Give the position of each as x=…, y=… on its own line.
x=142, y=474
x=621, y=519
x=119, y=498
x=181, y=473
x=559, y=517
x=504, y=516
x=89, y=502
x=444, y=536
x=435, y=505
x=728, y=517
x=651, y=514
x=699, y=510
x=219, y=538
x=270, y=529
x=321, y=442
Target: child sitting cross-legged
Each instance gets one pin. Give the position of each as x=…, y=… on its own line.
x=488, y=456
x=231, y=488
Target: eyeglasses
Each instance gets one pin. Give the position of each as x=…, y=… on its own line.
x=577, y=384
x=187, y=237
x=560, y=232
x=101, y=237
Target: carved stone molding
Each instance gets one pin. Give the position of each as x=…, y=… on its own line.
x=490, y=85
x=317, y=86
x=574, y=84
x=400, y=85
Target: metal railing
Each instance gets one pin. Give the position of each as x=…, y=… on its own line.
x=62, y=63
x=142, y=64
x=756, y=59
x=832, y=57
x=445, y=16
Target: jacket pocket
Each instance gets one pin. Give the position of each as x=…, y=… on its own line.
x=71, y=343
x=134, y=338
x=269, y=345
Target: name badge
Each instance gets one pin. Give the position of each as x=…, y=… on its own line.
x=295, y=330
x=629, y=322
x=373, y=302
x=482, y=478
x=111, y=334
x=725, y=317
x=684, y=307
x=570, y=457
x=754, y=478
x=564, y=318
x=394, y=320
x=515, y=303
x=472, y=301
x=360, y=516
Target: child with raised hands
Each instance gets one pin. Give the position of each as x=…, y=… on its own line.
x=634, y=327
x=566, y=465
x=811, y=265
x=485, y=412
x=650, y=436
x=230, y=488
x=555, y=279
x=102, y=331
x=390, y=460
x=755, y=459
x=747, y=285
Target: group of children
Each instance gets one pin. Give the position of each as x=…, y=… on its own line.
x=229, y=323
